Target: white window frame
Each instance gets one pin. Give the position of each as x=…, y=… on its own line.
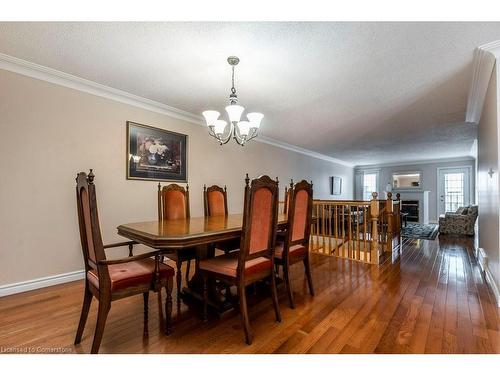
x=377, y=180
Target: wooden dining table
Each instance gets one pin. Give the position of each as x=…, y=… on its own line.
x=167, y=236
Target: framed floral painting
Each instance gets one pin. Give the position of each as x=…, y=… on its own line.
x=155, y=154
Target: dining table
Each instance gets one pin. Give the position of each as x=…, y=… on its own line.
x=202, y=233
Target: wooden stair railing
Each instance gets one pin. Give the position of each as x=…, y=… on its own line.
x=357, y=230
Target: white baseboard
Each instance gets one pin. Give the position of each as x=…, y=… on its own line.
x=482, y=259
x=493, y=285
x=42, y=282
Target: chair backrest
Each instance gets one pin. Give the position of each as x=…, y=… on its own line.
x=260, y=220
x=173, y=202
x=88, y=220
x=472, y=211
x=215, y=200
x=287, y=197
x=300, y=214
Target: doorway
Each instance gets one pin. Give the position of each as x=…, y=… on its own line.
x=453, y=188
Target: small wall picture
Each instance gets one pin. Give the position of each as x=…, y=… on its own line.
x=155, y=154
x=335, y=185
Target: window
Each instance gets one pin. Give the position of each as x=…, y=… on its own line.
x=453, y=191
x=369, y=185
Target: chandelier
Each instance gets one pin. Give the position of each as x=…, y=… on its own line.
x=241, y=131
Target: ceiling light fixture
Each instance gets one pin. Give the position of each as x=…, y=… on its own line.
x=240, y=131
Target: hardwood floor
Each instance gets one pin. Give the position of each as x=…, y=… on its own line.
x=432, y=299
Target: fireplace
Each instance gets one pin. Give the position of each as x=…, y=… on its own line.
x=411, y=207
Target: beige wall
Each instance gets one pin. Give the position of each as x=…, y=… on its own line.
x=49, y=133
x=488, y=189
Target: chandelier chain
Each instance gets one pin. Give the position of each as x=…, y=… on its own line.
x=233, y=90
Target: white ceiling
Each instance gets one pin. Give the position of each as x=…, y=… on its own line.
x=365, y=93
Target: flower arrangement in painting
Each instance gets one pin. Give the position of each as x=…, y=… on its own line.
x=154, y=152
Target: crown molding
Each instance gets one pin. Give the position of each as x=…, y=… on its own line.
x=482, y=65
x=29, y=69
x=301, y=150
x=57, y=77
x=416, y=162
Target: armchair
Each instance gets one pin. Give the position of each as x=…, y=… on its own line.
x=460, y=222
x=111, y=279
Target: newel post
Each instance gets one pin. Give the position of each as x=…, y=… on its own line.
x=389, y=208
x=374, y=213
x=398, y=217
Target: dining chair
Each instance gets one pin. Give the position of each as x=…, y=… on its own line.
x=111, y=279
x=173, y=204
x=287, y=197
x=255, y=260
x=215, y=204
x=295, y=247
x=280, y=236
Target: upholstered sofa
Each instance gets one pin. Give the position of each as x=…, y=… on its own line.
x=461, y=222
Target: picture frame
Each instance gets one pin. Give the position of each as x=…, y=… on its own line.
x=155, y=154
x=335, y=185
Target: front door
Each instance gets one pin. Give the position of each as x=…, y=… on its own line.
x=453, y=189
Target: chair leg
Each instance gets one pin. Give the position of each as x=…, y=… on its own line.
x=244, y=314
x=187, y=271
x=145, y=296
x=204, y=316
x=274, y=295
x=102, y=314
x=87, y=300
x=168, y=307
x=286, y=275
x=307, y=266
x=161, y=319
x=178, y=278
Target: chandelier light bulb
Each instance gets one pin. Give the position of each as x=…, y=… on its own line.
x=211, y=117
x=244, y=128
x=234, y=112
x=219, y=127
x=255, y=118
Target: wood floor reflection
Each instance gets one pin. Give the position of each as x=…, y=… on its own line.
x=432, y=299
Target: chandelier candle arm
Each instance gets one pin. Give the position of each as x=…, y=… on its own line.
x=240, y=130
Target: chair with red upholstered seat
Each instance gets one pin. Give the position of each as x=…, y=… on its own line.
x=255, y=260
x=110, y=280
x=173, y=204
x=295, y=247
x=280, y=236
x=287, y=197
x=215, y=204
